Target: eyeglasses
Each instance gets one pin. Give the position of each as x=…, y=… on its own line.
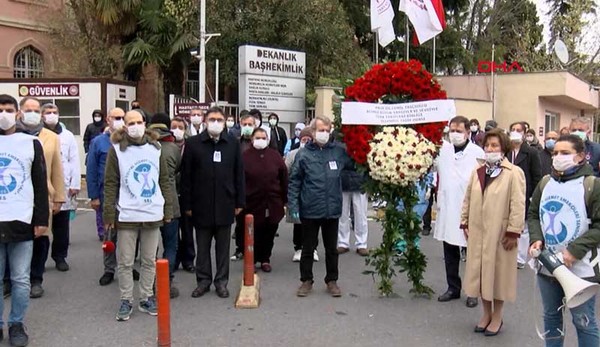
x=118, y=118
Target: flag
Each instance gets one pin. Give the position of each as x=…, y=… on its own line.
x=382, y=15
x=426, y=16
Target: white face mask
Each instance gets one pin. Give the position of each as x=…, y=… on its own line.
x=32, y=118
x=322, y=137
x=97, y=119
x=493, y=157
x=136, y=131
x=178, y=133
x=474, y=128
x=118, y=124
x=457, y=139
x=273, y=122
x=230, y=123
x=297, y=133
x=51, y=118
x=516, y=136
x=7, y=120
x=215, y=128
x=563, y=162
x=260, y=143
x=196, y=119
x=302, y=144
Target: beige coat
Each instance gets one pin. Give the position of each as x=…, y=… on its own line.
x=491, y=271
x=54, y=171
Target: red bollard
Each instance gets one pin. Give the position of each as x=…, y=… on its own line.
x=249, y=251
x=163, y=297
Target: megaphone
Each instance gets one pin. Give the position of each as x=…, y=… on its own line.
x=108, y=246
x=577, y=291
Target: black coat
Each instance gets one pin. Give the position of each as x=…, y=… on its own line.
x=212, y=190
x=91, y=131
x=546, y=161
x=278, y=139
x=528, y=160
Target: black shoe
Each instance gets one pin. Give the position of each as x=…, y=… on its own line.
x=62, y=266
x=189, y=268
x=472, y=302
x=222, y=292
x=136, y=275
x=479, y=329
x=174, y=291
x=200, y=291
x=1, y=334
x=447, y=296
x=493, y=333
x=107, y=278
x=37, y=291
x=426, y=231
x=7, y=289
x=17, y=335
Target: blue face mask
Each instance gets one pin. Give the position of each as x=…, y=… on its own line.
x=550, y=144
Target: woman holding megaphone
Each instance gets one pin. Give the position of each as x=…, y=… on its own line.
x=564, y=218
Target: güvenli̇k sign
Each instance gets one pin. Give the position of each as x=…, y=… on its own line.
x=490, y=66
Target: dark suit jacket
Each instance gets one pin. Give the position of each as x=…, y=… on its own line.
x=212, y=190
x=546, y=161
x=592, y=154
x=528, y=160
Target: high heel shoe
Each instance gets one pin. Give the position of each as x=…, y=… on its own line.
x=493, y=333
x=479, y=329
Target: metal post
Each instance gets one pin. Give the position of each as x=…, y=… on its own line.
x=202, y=54
x=217, y=82
x=493, y=85
x=249, y=250
x=376, y=38
x=433, y=58
x=407, y=40
x=164, y=303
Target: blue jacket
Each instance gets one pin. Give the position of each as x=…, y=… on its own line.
x=315, y=186
x=96, y=160
x=592, y=154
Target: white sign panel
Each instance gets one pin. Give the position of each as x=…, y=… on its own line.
x=365, y=113
x=273, y=80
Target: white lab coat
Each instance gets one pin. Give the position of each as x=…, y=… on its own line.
x=454, y=171
x=69, y=153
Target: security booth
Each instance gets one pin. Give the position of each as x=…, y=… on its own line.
x=76, y=98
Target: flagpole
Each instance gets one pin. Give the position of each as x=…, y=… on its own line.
x=407, y=40
x=433, y=58
x=493, y=85
x=376, y=47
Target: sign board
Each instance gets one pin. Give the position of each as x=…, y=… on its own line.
x=53, y=90
x=184, y=109
x=365, y=113
x=273, y=80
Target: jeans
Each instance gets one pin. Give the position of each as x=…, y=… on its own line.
x=452, y=261
x=19, y=256
x=60, y=232
x=169, y=233
x=126, y=256
x=41, y=248
x=310, y=231
x=584, y=316
x=204, y=236
x=264, y=240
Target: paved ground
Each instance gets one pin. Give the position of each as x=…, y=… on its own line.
x=76, y=311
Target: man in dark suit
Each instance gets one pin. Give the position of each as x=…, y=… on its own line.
x=212, y=194
x=528, y=159
x=582, y=127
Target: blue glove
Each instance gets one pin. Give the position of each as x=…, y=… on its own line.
x=295, y=217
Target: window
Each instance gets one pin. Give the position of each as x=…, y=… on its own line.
x=552, y=121
x=28, y=63
x=123, y=104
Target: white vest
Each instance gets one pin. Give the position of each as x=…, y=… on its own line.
x=140, y=197
x=563, y=218
x=16, y=188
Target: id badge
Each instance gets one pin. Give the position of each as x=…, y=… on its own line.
x=333, y=165
x=217, y=157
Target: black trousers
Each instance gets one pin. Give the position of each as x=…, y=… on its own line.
x=310, y=234
x=298, y=239
x=41, y=248
x=452, y=261
x=60, y=233
x=204, y=237
x=239, y=232
x=264, y=239
x=427, y=215
x=186, y=251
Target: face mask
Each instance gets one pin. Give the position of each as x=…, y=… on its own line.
x=32, y=118
x=273, y=122
x=529, y=139
x=230, y=123
x=493, y=157
x=136, y=131
x=247, y=130
x=215, y=128
x=196, y=119
x=297, y=133
x=474, y=128
x=563, y=162
x=550, y=144
x=118, y=124
x=97, y=119
x=260, y=144
x=302, y=144
x=51, y=118
x=178, y=133
x=516, y=136
x=581, y=134
x=457, y=139
x=7, y=120
x=322, y=137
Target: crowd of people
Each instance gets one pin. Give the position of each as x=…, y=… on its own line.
x=499, y=197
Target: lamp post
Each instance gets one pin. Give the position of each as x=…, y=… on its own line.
x=204, y=38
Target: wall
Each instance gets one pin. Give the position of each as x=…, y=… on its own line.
x=324, y=101
x=480, y=110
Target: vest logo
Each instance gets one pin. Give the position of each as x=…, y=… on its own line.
x=560, y=221
x=8, y=181
x=141, y=173
x=141, y=180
